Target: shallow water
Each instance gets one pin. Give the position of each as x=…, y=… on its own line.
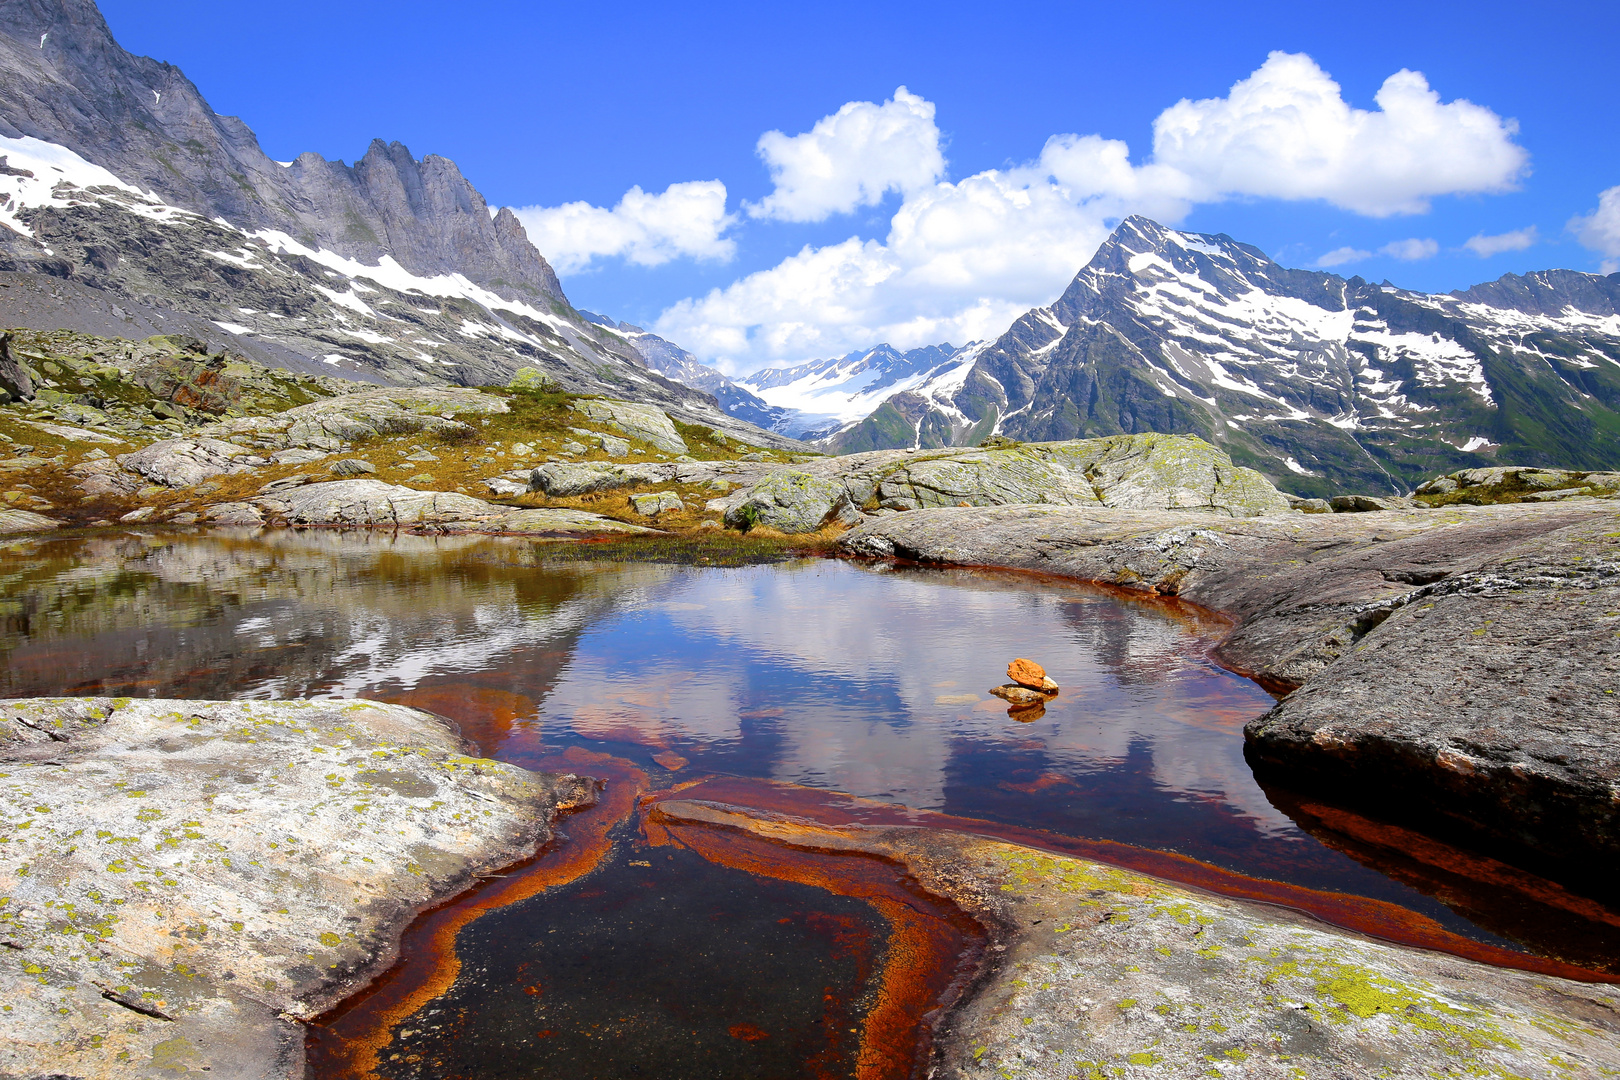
x=858, y=679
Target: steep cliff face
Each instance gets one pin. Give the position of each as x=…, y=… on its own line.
x=65, y=80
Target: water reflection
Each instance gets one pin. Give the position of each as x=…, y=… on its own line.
x=864, y=680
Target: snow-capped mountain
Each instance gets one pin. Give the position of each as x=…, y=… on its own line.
x=674, y=362
x=117, y=177
x=1324, y=384
x=824, y=398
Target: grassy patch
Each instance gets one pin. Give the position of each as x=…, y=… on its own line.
x=707, y=547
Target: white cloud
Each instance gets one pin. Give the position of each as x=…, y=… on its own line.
x=1411, y=250
x=1286, y=132
x=961, y=261
x=963, y=258
x=1600, y=230
x=1340, y=256
x=687, y=219
x=1517, y=240
x=851, y=159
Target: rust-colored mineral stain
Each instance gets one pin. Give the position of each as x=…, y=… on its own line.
x=1375, y=918
x=349, y=1041
x=747, y=1032
x=933, y=946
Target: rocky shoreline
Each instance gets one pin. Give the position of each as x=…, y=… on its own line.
x=1098, y=971
x=1456, y=668
x=185, y=883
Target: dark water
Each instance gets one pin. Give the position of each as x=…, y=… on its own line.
x=659, y=965
x=857, y=679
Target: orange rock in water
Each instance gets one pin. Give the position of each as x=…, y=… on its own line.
x=1029, y=673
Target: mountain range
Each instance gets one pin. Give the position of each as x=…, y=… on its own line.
x=131, y=207
x=122, y=187
x=1323, y=383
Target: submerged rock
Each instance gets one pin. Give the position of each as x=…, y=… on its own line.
x=188, y=881
x=1019, y=695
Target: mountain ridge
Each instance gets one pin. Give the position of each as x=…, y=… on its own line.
x=1323, y=383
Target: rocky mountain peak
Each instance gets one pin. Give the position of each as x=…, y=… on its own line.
x=1140, y=249
x=70, y=83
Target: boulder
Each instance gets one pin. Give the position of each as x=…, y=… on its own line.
x=1309, y=506
x=297, y=456
x=184, y=462
x=351, y=467
x=373, y=502
x=1362, y=504
x=104, y=477
x=25, y=521
x=1126, y=471
x=658, y=502
x=562, y=480
x=532, y=380
x=792, y=501
x=1514, y=483
x=235, y=513
x=645, y=422
x=15, y=382
x=228, y=870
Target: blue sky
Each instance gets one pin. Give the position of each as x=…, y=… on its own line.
x=933, y=215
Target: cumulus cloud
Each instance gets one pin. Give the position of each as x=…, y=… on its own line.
x=961, y=261
x=964, y=257
x=687, y=219
x=851, y=159
x=1517, y=240
x=1600, y=230
x=1286, y=132
x=1343, y=255
x=1411, y=250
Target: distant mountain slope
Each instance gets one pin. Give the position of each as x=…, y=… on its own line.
x=826, y=397
x=1324, y=384
x=115, y=175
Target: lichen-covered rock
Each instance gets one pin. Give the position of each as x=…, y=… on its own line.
x=532, y=379
x=1101, y=972
x=645, y=422
x=1518, y=484
x=657, y=502
x=791, y=501
x=330, y=423
x=351, y=467
x=185, y=881
x=184, y=462
x=1171, y=472
x=373, y=502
